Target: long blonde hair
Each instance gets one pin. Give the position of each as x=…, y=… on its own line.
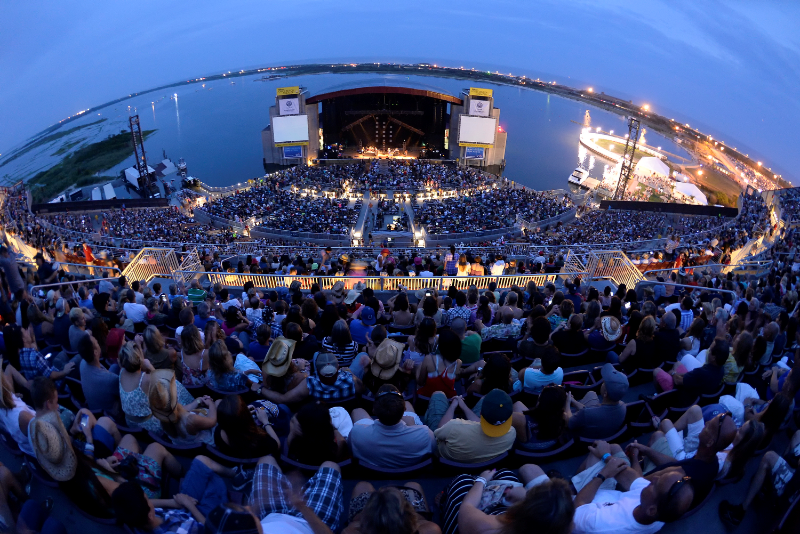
x=131, y=357
x=153, y=340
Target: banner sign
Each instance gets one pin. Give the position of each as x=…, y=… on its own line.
x=479, y=107
x=283, y=91
x=290, y=152
x=478, y=91
x=484, y=145
x=293, y=143
x=289, y=106
x=474, y=152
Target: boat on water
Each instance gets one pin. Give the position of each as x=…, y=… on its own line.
x=578, y=176
x=181, y=166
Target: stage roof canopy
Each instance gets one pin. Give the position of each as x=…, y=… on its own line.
x=385, y=90
x=691, y=190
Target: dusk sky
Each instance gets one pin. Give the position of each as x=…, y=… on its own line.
x=730, y=68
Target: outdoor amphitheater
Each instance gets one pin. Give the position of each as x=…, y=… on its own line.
x=386, y=268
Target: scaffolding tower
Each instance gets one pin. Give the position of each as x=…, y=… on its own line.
x=138, y=152
x=626, y=169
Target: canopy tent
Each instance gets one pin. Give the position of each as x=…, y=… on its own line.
x=691, y=190
x=651, y=165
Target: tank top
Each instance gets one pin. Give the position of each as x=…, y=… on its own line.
x=9, y=419
x=194, y=377
x=444, y=381
x=137, y=407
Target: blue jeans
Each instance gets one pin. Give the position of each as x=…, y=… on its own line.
x=244, y=337
x=206, y=486
x=612, y=357
x=33, y=517
x=356, y=368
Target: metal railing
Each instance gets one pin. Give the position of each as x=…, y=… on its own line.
x=716, y=267
x=59, y=285
x=190, y=263
x=88, y=269
x=150, y=263
x=613, y=264
x=642, y=283
x=377, y=283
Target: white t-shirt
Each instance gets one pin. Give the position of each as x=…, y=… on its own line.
x=611, y=511
x=230, y=302
x=135, y=312
x=180, y=329
x=497, y=268
x=285, y=524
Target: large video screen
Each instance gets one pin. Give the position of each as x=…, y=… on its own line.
x=476, y=130
x=290, y=128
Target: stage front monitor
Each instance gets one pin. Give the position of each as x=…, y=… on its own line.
x=476, y=130
x=288, y=128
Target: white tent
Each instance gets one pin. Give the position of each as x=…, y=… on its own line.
x=691, y=190
x=651, y=165
x=108, y=189
x=96, y=194
x=132, y=175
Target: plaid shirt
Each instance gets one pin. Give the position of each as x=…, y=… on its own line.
x=501, y=330
x=456, y=311
x=33, y=364
x=322, y=493
x=177, y=521
x=344, y=387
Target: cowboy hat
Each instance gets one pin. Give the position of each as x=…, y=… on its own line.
x=279, y=357
x=351, y=297
x=611, y=328
x=163, y=395
x=53, y=447
x=338, y=289
x=387, y=359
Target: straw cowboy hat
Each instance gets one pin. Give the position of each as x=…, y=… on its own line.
x=338, y=289
x=279, y=357
x=53, y=447
x=352, y=296
x=163, y=395
x=387, y=359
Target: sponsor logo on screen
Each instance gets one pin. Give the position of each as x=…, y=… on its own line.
x=479, y=108
x=292, y=152
x=474, y=152
x=289, y=106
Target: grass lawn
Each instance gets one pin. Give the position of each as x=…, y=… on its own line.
x=82, y=167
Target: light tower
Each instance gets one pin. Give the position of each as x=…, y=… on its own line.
x=138, y=147
x=626, y=169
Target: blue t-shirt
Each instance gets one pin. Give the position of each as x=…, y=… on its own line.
x=713, y=410
x=359, y=331
x=257, y=351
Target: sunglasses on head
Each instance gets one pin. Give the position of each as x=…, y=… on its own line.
x=389, y=392
x=721, y=421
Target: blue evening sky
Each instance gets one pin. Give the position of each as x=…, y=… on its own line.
x=731, y=68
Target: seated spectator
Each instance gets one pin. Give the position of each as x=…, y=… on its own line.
x=202, y=318
x=15, y=415
x=258, y=348
x=341, y=343
x=154, y=315
x=429, y=308
x=774, y=474
x=569, y=338
x=640, y=352
x=385, y=363
x=78, y=327
x=305, y=345
x=360, y=328
x=459, y=310
x=396, y=439
x=184, y=425
x=595, y=418
x=194, y=358
x=538, y=338
x=32, y=363
x=389, y=509
x=645, y=507
x=155, y=349
x=544, y=427
x=424, y=341
x=330, y=384
x=499, y=501
x=196, y=294
x=470, y=341
x=667, y=340
x=222, y=375
x=313, y=439
x=239, y=434
x=438, y=371
x=495, y=372
x=691, y=446
x=739, y=358
x=134, y=382
x=62, y=323
x=474, y=439
x=319, y=501
x=506, y=327
x=543, y=372
x=703, y=380
x=135, y=314
x=100, y=386
x=604, y=335
x=202, y=493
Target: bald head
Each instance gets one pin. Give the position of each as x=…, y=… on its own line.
x=506, y=315
x=669, y=321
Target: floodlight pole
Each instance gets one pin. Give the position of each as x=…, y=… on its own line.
x=138, y=146
x=626, y=169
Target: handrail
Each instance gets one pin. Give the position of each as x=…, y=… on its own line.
x=655, y=282
x=723, y=265
x=58, y=285
x=378, y=283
